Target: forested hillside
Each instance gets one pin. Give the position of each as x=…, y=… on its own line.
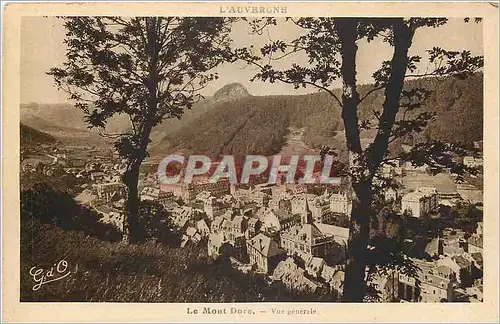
x=67, y=124
x=235, y=122
x=30, y=136
x=259, y=124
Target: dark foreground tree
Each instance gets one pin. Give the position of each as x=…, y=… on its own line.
x=331, y=46
x=146, y=68
x=155, y=223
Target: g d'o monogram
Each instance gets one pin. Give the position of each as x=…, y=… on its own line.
x=57, y=272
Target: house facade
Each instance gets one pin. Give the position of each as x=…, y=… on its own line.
x=340, y=203
x=155, y=194
x=110, y=191
x=308, y=240
x=264, y=253
x=435, y=285
x=419, y=203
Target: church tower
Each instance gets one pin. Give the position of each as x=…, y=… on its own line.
x=307, y=215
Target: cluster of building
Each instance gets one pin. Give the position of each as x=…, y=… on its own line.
x=189, y=191
x=263, y=227
x=420, y=202
x=454, y=272
x=424, y=201
x=289, y=234
x=473, y=162
x=103, y=189
x=286, y=239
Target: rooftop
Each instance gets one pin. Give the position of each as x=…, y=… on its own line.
x=415, y=196
x=265, y=245
x=333, y=230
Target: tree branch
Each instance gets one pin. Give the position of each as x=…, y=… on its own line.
x=370, y=92
x=403, y=36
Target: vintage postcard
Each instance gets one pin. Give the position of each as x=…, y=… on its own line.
x=250, y=162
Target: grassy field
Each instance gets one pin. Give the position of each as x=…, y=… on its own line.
x=112, y=272
x=442, y=182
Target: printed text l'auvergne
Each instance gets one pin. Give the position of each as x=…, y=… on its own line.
x=253, y=10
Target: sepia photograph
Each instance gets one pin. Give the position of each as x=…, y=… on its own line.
x=251, y=155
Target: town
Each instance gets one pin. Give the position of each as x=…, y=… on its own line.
x=297, y=234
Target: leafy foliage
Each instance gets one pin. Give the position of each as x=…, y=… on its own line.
x=464, y=216
x=147, y=68
x=58, y=180
x=331, y=45
x=156, y=224
x=113, y=62
x=45, y=204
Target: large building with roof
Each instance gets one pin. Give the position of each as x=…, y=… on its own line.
x=421, y=202
x=264, y=253
x=278, y=220
x=189, y=191
x=315, y=239
x=155, y=194
x=110, y=191
x=435, y=284
x=340, y=203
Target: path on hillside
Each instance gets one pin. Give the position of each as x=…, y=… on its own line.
x=295, y=143
x=232, y=136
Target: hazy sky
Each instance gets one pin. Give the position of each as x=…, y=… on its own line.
x=42, y=48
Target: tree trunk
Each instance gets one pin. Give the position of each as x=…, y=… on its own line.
x=359, y=232
x=131, y=179
x=363, y=165
x=346, y=29
x=354, y=282
x=131, y=221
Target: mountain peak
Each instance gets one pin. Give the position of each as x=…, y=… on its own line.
x=230, y=92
